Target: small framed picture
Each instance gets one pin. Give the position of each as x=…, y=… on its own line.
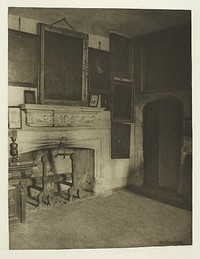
x=120, y=140
x=122, y=102
x=99, y=71
x=29, y=97
x=94, y=98
x=14, y=117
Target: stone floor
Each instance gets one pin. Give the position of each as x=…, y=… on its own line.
x=123, y=219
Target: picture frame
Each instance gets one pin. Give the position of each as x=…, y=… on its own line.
x=120, y=140
x=99, y=62
x=121, y=48
x=22, y=58
x=122, y=107
x=14, y=118
x=64, y=64
x=29, y=97
x=94, y=98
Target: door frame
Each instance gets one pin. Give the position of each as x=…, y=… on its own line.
x=141, y=101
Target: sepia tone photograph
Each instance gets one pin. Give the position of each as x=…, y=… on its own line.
x=85, y=173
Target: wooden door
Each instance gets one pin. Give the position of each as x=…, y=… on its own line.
x=162, y=144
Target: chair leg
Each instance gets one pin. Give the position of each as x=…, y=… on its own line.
x=29, y=191
x=40, y=199
x=49, y=198
x=70, y=193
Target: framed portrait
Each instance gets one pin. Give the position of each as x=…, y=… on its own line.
x=94, y=98
x=122, y=108
x=63, y=68
x=29, y=97
x=99, y=71
x=14, y=118
x=22, y=58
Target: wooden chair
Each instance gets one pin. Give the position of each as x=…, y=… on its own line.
x=45, y=195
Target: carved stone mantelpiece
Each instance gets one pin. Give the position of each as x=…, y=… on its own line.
x=60, y=116
x=83, y=127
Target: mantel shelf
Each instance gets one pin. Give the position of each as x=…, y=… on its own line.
x=39, y=115
x=61, y=108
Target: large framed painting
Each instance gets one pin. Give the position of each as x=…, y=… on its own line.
x=22, y=59
x=123, y=102
x=120, y=140
x=63, y=65
x=99, y=71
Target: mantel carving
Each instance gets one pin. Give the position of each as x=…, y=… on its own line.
x=40, y=118
x=49, y=116
x=68, y=119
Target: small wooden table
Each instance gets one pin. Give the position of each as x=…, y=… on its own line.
x=19, y=178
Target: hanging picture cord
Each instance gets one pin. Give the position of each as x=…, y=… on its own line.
x=64, y=20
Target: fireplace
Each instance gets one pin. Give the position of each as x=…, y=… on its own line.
x=83, y=127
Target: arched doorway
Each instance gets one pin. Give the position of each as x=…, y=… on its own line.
x=162, y=136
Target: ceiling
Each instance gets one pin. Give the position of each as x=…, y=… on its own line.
x=129, y=22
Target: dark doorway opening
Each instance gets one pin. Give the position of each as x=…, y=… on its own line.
x=162, y=135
